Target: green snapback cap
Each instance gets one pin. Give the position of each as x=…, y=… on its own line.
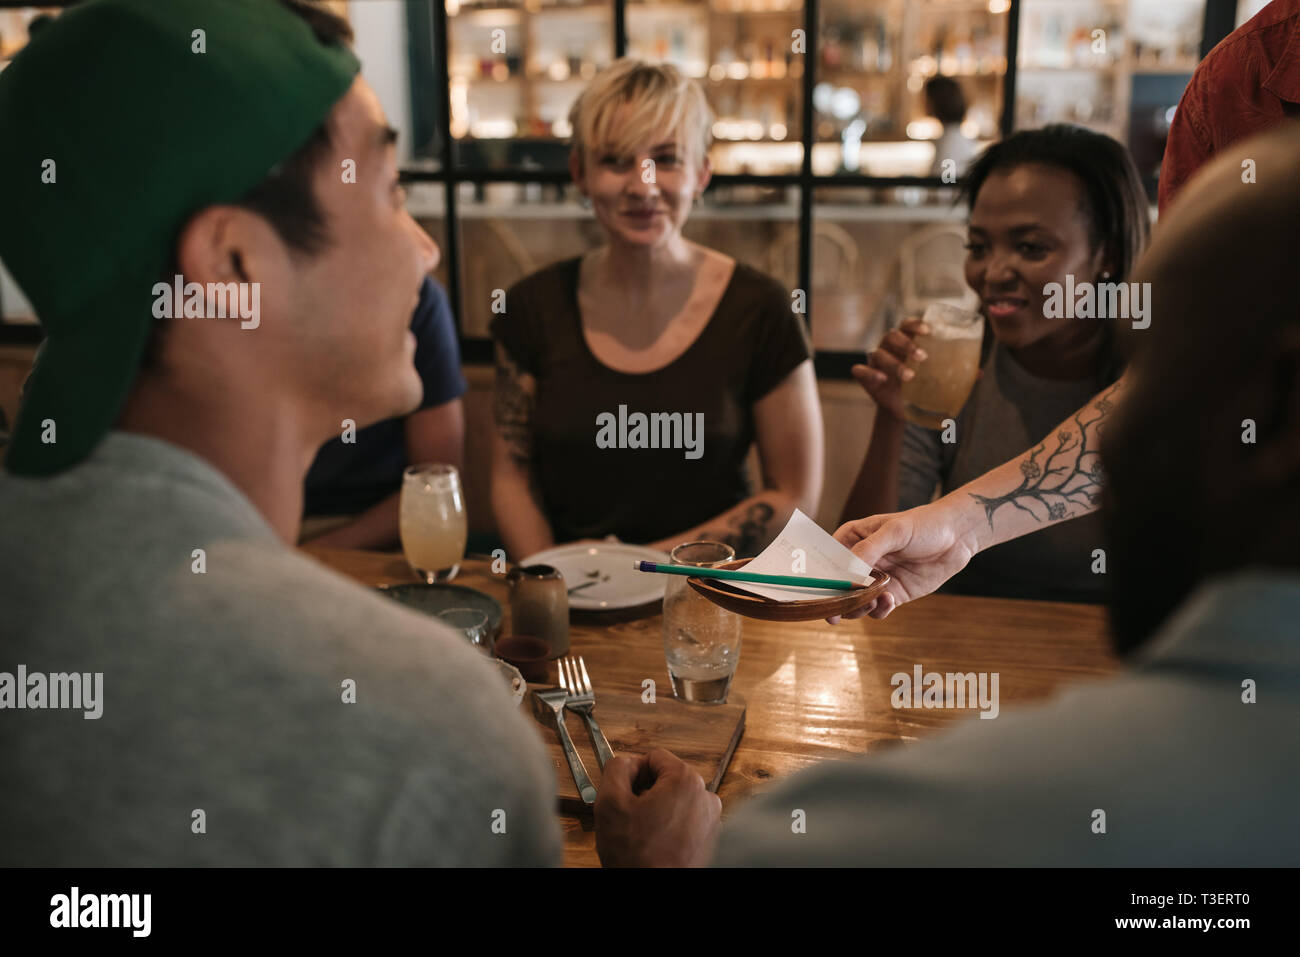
x=119, y=121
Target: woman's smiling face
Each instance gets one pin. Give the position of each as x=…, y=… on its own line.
x=643, y=195
x=1028, y=227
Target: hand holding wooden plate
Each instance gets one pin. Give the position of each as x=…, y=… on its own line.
x=729, y=596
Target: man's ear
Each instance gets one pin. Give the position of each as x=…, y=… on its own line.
x=1275, y=462
x=228, y=244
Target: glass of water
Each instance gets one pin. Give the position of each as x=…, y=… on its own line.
x=701, y=640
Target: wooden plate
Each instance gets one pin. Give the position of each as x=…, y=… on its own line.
x=726, y=595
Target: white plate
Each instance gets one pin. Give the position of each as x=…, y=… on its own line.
x=619, y=585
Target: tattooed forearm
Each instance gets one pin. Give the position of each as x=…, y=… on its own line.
x=512, y=406
x=1065, y=482
x=747, y=534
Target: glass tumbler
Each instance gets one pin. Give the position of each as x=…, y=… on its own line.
x=943, y=382
x=701, y=640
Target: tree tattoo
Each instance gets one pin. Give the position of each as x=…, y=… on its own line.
x=749, y=533
x=513, y=407
x=1067, y=481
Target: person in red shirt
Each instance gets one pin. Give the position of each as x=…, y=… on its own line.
x=1246, y=84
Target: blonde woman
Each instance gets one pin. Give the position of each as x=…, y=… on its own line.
x=632, y=381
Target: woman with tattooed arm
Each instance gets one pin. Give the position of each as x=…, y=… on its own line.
x=632, y=381
x=1060, y=208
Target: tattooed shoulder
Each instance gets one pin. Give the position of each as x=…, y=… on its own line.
x=513, y=401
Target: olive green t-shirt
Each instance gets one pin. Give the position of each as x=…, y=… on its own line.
x=643, y=456
x=1010, y=411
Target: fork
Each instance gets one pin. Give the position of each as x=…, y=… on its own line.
x=582, y=700
x=555, y=699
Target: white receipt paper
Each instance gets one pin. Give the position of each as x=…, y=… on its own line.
x=821, y=557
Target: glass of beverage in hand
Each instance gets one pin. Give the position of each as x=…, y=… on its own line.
x=701, y=640
x=942, y=383
x=432, y=521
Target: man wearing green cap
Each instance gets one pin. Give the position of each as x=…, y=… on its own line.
x=193, y=690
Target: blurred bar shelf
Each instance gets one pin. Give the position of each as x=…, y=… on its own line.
x=833, y=202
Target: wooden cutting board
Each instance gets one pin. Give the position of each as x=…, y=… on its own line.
x=704, y=736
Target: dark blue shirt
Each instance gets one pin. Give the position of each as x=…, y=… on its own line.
x=349, y=478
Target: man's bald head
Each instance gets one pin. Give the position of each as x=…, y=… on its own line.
x=1203, y=457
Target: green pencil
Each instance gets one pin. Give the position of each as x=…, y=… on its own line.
x=741, y=575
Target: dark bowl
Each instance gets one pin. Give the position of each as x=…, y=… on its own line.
x=432, y=599
x=530, y=655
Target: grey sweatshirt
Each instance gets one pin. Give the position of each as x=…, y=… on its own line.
x=225, y=733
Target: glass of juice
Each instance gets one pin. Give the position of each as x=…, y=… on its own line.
x=943, y=382
x=432, y=521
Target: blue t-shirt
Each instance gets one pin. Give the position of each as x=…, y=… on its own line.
x=349, y=478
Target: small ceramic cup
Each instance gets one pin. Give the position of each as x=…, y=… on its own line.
x=526, y=653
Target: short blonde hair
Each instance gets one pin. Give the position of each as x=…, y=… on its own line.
x=663, y=101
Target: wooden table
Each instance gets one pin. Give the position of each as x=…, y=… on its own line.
x=814, y=690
